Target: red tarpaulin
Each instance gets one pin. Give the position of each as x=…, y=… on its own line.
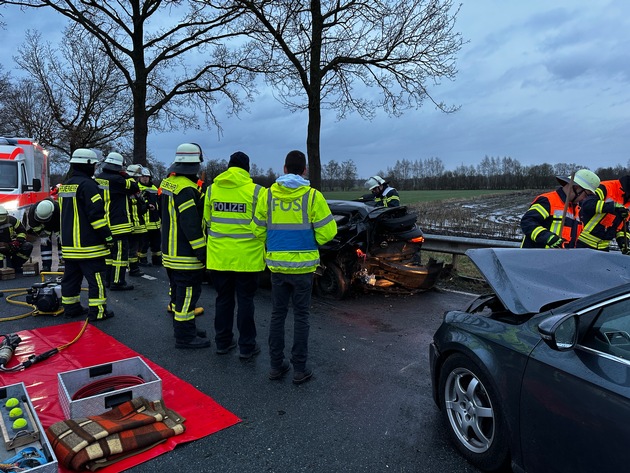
x=203, y=415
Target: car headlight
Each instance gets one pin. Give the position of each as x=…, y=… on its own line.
x=10, y=205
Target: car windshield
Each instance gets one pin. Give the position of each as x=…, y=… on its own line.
x=8, y=175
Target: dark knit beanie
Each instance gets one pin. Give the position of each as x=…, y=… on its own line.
x=239, y=160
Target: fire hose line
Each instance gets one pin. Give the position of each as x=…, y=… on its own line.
x=105, y=385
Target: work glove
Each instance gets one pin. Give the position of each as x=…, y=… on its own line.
x=554, y=241
x=110, y=243
x=201, y=255
x=621, y=211
x=16, y=244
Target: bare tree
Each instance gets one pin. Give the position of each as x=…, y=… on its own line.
x=173, y=59
x=316, y=51
x=74, y=97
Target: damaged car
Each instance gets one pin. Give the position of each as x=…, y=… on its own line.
x=535, y=376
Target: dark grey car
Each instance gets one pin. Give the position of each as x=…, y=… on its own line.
x=536, y=375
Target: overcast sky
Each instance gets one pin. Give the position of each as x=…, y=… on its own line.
x=539, y=81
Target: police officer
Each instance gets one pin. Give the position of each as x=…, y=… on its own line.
x=138, y=207
x=235, y=256
x=184, y=243
x=115, y=187
x=85, y=238
x=13, y=245
x=152, y=238
x=292, y=218
x=43, y=220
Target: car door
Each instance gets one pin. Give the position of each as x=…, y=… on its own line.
x=575, y=405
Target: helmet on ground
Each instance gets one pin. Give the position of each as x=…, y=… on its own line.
x=134, y=170
x=83, y=156
x=113, y=162
x=146, y=172
x=44, y=211
x=188, y=158
x=587, y=180
x=374, y=182
x=4, y=214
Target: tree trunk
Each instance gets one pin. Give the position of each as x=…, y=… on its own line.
x=314, y=98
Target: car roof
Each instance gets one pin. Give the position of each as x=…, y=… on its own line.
x=526, y=280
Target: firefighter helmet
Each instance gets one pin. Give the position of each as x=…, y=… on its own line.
x=188, y=158
x=4, y=214
x=146, y=172
x=134, y=170
x=44, y=211
x=114, y=162
x=83, y=156
x=587, y=180
x=374, y=181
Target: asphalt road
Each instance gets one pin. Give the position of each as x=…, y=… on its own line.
x=368, y=407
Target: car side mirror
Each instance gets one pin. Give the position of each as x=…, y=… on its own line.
x=560, y=331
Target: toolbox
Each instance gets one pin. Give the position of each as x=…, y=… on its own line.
x=24, y=441
x=71, y=381
x=30, y=268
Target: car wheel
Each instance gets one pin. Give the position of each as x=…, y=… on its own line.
x=473, y=415
x=332, y=283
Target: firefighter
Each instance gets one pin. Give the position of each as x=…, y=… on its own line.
x=152, y=238
x=618, y=191
x=183, y=243
x=115, y=187
x=138, y=207
x=552, y=220
x=384, y=194
x=14, y=249
x=292, y=219
x=235, y=256
x=601, y=219
x=43, y=221
x=86, y=240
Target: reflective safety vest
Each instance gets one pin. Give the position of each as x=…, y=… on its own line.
x=293, y=222
x=229, y=207
x=115, y=189
x=389, y=198
x=182, y=231
x=613, y=190
x=600, y=222
x=83, y=224
x=544, y=217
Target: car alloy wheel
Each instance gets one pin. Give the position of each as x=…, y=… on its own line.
x=470, y=406
x=332, y=283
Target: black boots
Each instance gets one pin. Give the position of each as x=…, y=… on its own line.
x=187, y=336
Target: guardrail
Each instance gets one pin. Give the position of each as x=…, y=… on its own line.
x=458, y=245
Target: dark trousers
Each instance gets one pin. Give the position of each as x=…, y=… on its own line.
x=94, y=272
x=235, y=288
x=117, y=262
x=135, y=239
x=152, y=239
x=286, y=288
x=185, y=289
x=16, y=259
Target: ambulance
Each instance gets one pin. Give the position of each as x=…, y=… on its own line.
x=24, y=174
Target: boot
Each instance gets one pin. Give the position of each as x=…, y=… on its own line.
x=186, y=335
x=121, y=285
x=143, y=261
x=134, y=270
x=156, y=260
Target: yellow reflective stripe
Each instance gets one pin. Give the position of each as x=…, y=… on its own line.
x=186, y=205
x=198, y=243
x=99, y=224
x=68, y=300
x=96, y=197
x=540, y=209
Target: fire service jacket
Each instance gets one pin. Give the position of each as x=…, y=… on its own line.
x=115, y=189
x=42, y=229
x=389, y=198
x=183, y=239
x=544, y=218
x=83, y=224
x=150, y=195
x=617, y=190
x=229, y=207
x=293, y=221
x=600, y=222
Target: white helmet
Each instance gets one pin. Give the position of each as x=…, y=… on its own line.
x=44, y=211
x=146, y=172
x=83, y=156
x=134, y=170
x=587, y=180
x=4, y=214
x=114, y=162
x=187, y=159
x=374, y=182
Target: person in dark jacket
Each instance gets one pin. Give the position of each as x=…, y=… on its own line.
x=43, y=220
x=115, y=187
x=618, y=191
x=384, y=194
x=13, y=245
x=184, y=243
x=85, y=238
x=152, y=239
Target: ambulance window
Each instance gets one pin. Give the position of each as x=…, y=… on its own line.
x=8, y=175
x=24, y=180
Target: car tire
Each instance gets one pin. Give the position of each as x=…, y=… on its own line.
x=332, y=283
x=473, y=415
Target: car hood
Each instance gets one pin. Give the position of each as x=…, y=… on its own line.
x=526, y=280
